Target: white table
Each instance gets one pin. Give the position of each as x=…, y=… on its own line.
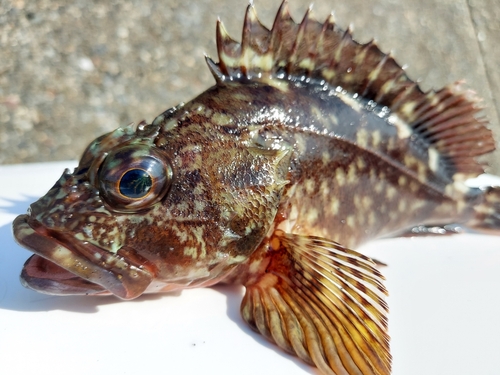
x=445, y=312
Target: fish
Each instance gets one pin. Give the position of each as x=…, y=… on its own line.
x=308, y=145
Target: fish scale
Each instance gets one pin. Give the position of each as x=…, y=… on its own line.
x=308, y=145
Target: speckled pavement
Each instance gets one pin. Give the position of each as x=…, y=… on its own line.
x=72, y=70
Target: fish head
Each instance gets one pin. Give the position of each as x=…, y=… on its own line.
x=150, y=210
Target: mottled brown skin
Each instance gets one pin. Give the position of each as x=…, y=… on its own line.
x=339, y=188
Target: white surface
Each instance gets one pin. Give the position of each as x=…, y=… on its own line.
x=445, y=312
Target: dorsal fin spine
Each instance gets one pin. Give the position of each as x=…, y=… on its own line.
x=282, y=25
x=294, y=53
x=215, y=70
x=222, y=39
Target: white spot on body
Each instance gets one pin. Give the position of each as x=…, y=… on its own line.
x=324, y=189
x=417, y=204
x=221, y=119
x=456, y=190
x=422, y=172
x=350, y=221
x=360, y=162
x=334, y=206
x=199, y=206
x=367, y=202
x=312, y=215
x=310, y=185
x=362, y=137
x=351, y=174
x=325, y=157
x=340, y=177
x=350, y=101
x=403, y=129
x=391, y=143
x=410, y=161
x=198, y=233
x=414, y=186
x=191, y=252
x=181, y=235
x=183, y=206
x=433, y=159
x=376, y=138
x=199, y=189
x=390, y=192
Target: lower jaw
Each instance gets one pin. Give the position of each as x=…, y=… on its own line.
x=62, y=265
x=46, y=277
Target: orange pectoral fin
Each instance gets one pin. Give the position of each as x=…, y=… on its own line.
x=323, y=303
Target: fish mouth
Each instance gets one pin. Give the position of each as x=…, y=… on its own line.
x=62, y=265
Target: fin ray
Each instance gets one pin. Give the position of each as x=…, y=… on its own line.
x=360, y=297
x=323, y=303
x=356, y=323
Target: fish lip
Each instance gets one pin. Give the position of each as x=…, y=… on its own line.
x=69, y=284
x=110, y=271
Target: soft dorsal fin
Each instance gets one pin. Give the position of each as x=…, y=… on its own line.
x=322, y=52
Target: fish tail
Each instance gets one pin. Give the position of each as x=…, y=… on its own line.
x=487, y=214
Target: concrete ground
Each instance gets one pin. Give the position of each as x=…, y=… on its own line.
x=71, y=70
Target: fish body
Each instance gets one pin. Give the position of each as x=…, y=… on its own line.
x=308, y=145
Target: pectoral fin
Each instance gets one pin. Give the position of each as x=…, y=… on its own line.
x=323, y=303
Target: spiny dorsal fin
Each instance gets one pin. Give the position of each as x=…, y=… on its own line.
x=323, y=303
x=322, y=52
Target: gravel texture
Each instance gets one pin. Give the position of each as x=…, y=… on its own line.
x=72, y=70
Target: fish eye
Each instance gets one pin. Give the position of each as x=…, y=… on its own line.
x=135, y=183
x=134, y=177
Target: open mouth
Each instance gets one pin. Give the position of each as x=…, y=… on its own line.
x=47, y=277
x=63, y=265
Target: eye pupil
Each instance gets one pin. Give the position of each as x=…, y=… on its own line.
x=135, y=183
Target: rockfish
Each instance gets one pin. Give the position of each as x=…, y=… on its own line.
x=308, y=145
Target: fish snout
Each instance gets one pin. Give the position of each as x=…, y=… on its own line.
x=63, y=265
